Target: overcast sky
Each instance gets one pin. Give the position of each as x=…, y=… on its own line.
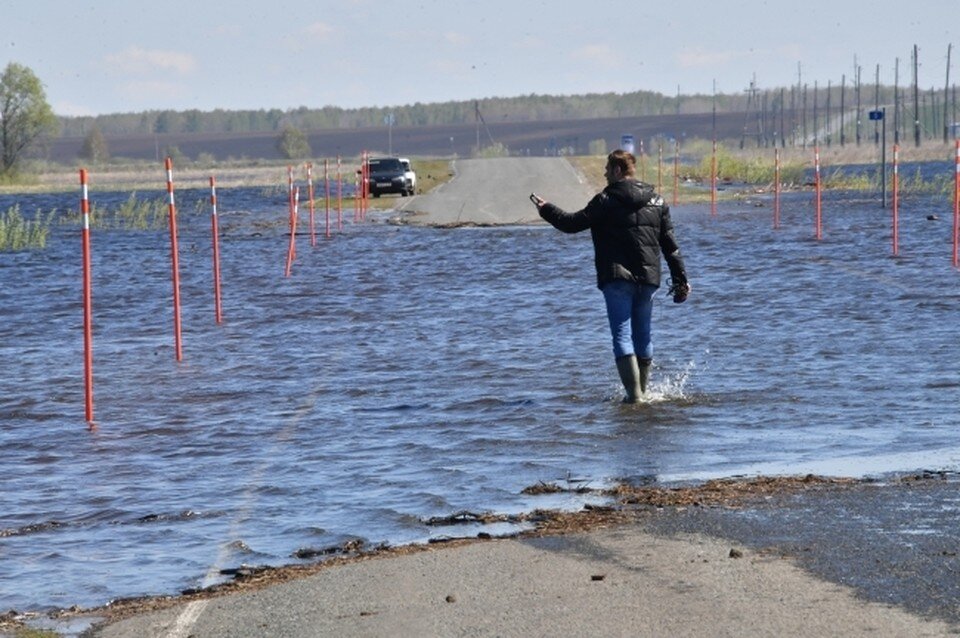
x=114, y=56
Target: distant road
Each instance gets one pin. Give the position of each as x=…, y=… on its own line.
x=496, y=191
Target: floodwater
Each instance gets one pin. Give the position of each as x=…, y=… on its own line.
x=404, y=373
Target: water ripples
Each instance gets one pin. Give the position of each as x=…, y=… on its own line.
x=404, y=374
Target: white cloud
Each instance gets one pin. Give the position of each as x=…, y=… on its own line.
x=703, y=59
x=597, y=54
x=455, y=38
x=319, y=30
x=136, y=60
x=228, y=30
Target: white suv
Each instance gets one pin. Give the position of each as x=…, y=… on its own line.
x=409, y=174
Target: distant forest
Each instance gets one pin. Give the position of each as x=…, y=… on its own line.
x=828, y=99
x=515, y=109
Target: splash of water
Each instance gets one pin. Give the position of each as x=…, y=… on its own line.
x=670, y=386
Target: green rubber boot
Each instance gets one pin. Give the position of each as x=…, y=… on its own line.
x=630, y=377
x=644, y=374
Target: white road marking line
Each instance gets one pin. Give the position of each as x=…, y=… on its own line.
x=191, y=613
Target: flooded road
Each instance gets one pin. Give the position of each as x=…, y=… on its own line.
x=402, y=373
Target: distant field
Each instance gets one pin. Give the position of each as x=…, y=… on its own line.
x=572, y=137
x=252, y=159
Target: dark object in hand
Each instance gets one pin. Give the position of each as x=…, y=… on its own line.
x=680, y=291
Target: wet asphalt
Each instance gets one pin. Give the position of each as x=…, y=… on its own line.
x=894, y=541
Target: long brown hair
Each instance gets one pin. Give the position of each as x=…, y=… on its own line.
x=623, y=160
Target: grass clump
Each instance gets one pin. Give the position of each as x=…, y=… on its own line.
x=748, y=170
x=18, y=233
x=133, y=214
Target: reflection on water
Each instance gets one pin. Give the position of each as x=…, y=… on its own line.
x=403, y=373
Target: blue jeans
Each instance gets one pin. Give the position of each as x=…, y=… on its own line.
x=629, y=310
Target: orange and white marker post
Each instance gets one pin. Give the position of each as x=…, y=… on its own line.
x=292, y=250
x=818, y=187
x=326, y=192
x=896, y=200
x=364, y=184
x=313, y=232
x=174, y=261
x=339, y=195
x=215, y=226
x=87, y=303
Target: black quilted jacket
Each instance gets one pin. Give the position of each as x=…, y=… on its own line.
x=630, y=226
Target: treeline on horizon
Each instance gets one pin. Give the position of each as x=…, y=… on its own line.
x=531, y=108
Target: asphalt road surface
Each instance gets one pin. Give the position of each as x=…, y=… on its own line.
x=874, y=559
x=496, y=191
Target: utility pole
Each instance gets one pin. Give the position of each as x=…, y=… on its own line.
x=843, y=93
x=896, y=101
x=793, y=115
x=946, y=89
x=753, y=102
x=827, y=117
x=783, y=135
x=802, y=100
x=859, y=106
x=916, y=98
x=476, y=117
x=816, y=120
x=804, y=118
x=876, y=107
x=714, y=110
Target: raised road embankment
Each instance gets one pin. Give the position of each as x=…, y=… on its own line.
x=496, y=191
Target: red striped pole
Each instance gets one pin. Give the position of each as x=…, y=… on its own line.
x=313, y=232
x=290, y=211
x=340, y=196
x=896, y=200
x=358, y=213
x=87, y=302
x=819, y=214
x=776, y=188
x=366, y=185
x=956, y=206
x=215, y=226
x=326, y=190
x=174, y=261
x=292, y=249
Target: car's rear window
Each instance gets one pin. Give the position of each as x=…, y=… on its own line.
x=385, y=164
